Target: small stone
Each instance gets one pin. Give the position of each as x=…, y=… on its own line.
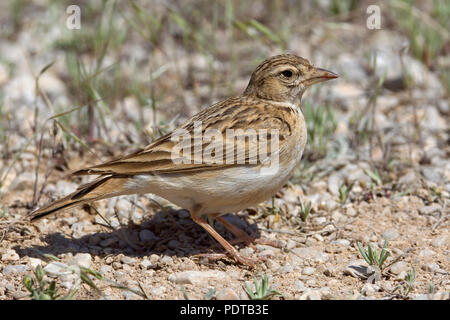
x=183, y=214
x=146, y=264
x=401, y=276
x=325, y=293
x=426, y=253
x=291, y=244
x=431, y=174
x=106, y=269
x=319, y=220
x=158, y=291
x=108, y=242
x=358, y=269
x=307, y=271
x=10, y=255
x=311, y=254
x=329, y=271
x=227, y=294
x=267, y=253
x=286, y=269
x=174, y=244
x=440, y=241
x=434, y=296
x=311, y=294
x=198, y=277
x=299, y=285
x=427, y=210
x=246, y=251
x=123, y=207
x=370, y=289
x=14, y=269
x=82, y=259
x=35, y=262
x=127, y=260
x=146, y=235
x=128, y=295
x=167, y=260
x=390, y=234
x=432, y=267
x=342, y=242
x=272, y=265
x=398, y=267
x=57, y=268
x=154, y=258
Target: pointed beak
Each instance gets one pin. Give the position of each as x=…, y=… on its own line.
x=320, y=75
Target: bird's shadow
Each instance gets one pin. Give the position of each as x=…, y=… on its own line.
x=170, y=234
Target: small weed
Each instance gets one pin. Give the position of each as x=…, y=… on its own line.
x=305, y=209
x=408, y=284
x=44, y=290
x=371, y=255
x=344, y=191
x=263, y=291
x=375, y=176
x=321, y=125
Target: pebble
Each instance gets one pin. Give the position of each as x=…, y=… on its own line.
x=147, y=236
x=10, y=255
x=435, y=296
x=427, y=210
x=158, y=291
x=311, y=294
x=398, y=267
x=307, y=271
x=108, y=242
x=299, y=285
x=370, y=289
x=342, y=242
x=13, y=269
x=174, y=244
x=123, y=207
x=390, y=234
x=358, y=269
x=401, y=276
x=246, y=251
x=146, y=264
x=291, y=244
x=309, y=254
x=227, y=294
x=286, y=269
x=440, y=241
x=431, y=175
x=83, y=260
x=198, y=277
x=127, y=260
x=154, y=258
x=34, y=262
x=432, y=267
x=272, y=265
x=167, y=260
x=104, y=269
x=57, y=268
x=426, y=253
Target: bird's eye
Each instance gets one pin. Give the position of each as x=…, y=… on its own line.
x=287, y=73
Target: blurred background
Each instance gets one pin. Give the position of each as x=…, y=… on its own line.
x=77, y=90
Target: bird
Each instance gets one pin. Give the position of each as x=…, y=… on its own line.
x=201, y=167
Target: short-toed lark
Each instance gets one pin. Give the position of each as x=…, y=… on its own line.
x=232, y=155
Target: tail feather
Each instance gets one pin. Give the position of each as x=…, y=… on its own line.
x=101, y=188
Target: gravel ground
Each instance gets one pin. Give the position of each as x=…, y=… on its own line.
x=396, y=172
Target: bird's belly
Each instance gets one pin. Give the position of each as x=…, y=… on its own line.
x=216, y=191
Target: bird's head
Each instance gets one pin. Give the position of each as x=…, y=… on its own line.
x=284, y=78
